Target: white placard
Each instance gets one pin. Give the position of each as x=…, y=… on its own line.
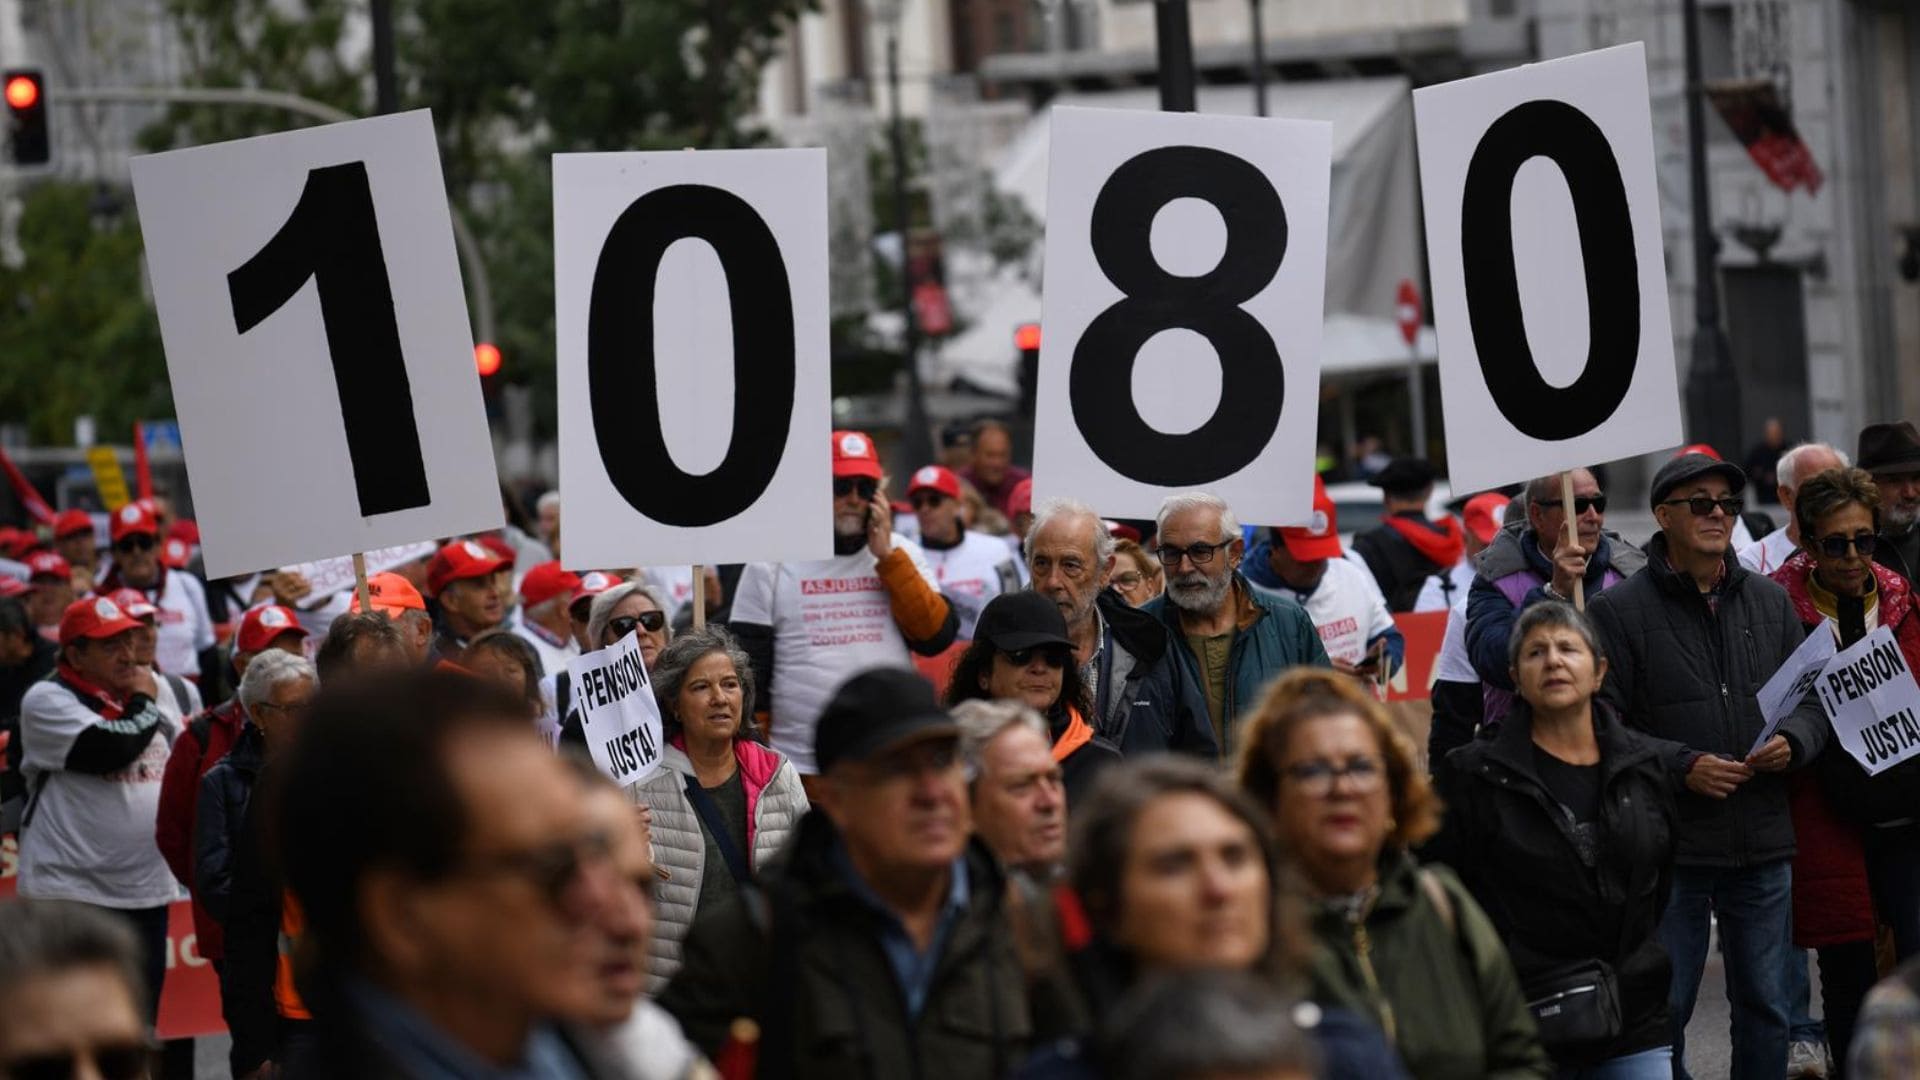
x=1873, y=701
x=614, y=696
x=1185, y=291
x=307, y=289
x=329, y=576
x=690, y=294
x=1549, y=278
x=1784, y=691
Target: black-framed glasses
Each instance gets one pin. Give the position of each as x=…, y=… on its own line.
x=1129, y=579
x=113, y=1061
x=1316, y=778
x=927, y=500
x=1200, y=554
x=844, y=486
x=549, y=868
x=134, y=542
x=1055, y=656
x=1582, y=504
x=1835, y=546
x=651, y=620
x=1703, y=505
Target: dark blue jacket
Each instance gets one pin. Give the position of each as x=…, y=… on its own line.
x=1274, y=635
x=1157, y=705
x=1515, y=560
x=224, y=793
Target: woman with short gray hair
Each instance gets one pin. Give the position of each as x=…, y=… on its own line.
x=722, y=803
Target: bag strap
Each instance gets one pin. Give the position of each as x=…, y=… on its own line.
x=1442, y=900
x=179, y=688
x=717, y=828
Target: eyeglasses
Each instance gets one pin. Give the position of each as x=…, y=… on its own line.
x=1702, y=505
x=1835, y=546
x=127, y=545
x=297, y=709
x=844, y=486
x=550, y=868
x=1130, y=579
x=1581, y=504
x=1316, y=778
x=927, y=500
x=1200, y=554
x=1055, y=656
x=113, y=1061
x=651, y=620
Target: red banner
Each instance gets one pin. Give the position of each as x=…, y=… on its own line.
x=23, y=490
x=1752, y=108
x=142, y=471
x=1424, y=631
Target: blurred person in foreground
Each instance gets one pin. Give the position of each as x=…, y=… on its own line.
x=1212, y=1024
x=506, y=658
x=1402, y=944
x=361, y=644
x=1017, y=789
x=72, y=1000
x=883, y=924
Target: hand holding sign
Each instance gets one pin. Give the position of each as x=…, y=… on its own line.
x=1874, y=702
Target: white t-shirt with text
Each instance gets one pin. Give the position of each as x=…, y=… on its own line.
x=972, y=574
x=1347, y=608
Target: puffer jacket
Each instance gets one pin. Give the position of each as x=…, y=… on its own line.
x=1508, y=839
x=1275, y=635
x=775, y=804
x=1442, y=989
x=1512, y=575
x=225, y=791
x=1686, y=671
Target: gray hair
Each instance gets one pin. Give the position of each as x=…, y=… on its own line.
x=1198, y=500
x=671, y=666
x=1545, y=491
x=602, y=611
x=49, y=937
x=269, y=671
x=1051, y=510
x=981, y=721
x=1205, y=1023
x=551, y=498
x=1552, y=613
x=1787, y=472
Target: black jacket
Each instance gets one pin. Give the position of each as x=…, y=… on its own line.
x=1510, y=842
x=225, y=791
x=1687, y=672
x=804, y=959
x=253, y=948
x=1157, y=705
x=1400, y=569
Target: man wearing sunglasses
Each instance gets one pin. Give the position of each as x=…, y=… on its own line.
x=71, y=1003
x=1891, y=452
x=809, y=626
x=1525, y=565
x=971, y=568
x=186, y=639
x=1690, y=641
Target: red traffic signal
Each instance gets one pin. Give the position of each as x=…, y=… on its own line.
x=23, y=91
x=26, y=98
x=486, y=357
x=1026, y=337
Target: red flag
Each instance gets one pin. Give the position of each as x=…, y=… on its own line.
x=143, y=475
x=1753, y=109
x=23, y=490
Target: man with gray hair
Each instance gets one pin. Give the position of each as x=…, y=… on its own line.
x=1771, y=551
x=1017, y=789
x=53, y=956
x=1144, y=698
x=1238, y=635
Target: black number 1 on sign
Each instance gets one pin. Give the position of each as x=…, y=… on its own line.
x=1571, y=140
x=333, y=238
x=622, y=361
x=1252, y=378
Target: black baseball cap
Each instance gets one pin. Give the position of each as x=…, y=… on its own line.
x=875, y=711
x=1688, y=467
x=1021, y=620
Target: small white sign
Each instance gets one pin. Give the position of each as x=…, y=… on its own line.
x=614, y=696
x=317, y=340
x=690, y=307
x=329, y=576
x=1185, y=291
x=1874, y=703
x=1549, y=277
x=1784, y=691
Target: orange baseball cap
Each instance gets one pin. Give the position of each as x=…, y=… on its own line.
x=391, y=594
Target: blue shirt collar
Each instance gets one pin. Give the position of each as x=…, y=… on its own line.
x=426, y=1052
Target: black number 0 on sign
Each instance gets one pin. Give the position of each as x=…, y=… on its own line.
x=1252, y=379
x=1571, y=140
x=333, y=238
x=621, y=360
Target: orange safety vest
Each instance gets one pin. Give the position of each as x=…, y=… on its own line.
x=286, y=997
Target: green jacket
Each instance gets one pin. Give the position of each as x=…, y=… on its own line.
x=1273, y=633
x=821, y=988
x=1447, y=997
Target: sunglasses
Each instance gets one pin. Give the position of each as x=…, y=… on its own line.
x=136, y=542
x=1582, y=504
x=651, y=620
x=927, y=500
x=1055, y=656
x=1200, y=554
x=113, y=1061
x=1702, y=505
x=844, y=486
x=1836, y=546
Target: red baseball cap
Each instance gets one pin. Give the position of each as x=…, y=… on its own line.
x=48, y=564
x=16, y=543
x=262, y=626
x=592, y=584
x=1483, y=514
x=460, y=561
x=1698, y=448
x=94, y=617
x=134, y=518
x=184, y=529
x=135, y=604
x=854, y=455
x=1020, y=501
x=546, y=581
x=391, y=594
x=497, y=544
x=175, y=554
x=72, y=523
x=935, y=478
x=1319, y=540
x=13, y=586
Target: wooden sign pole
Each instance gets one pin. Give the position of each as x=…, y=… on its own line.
x=699, y=597
x=360, y=581
x=1573, y=537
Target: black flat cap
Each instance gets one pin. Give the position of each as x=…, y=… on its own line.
x=1404, y=476
x=1689, y=467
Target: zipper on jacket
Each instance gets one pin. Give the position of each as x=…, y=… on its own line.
x=1738, y=849
x=1363, y=951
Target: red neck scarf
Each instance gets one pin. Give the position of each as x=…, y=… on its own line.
x=1440, y=542
x=105, y=702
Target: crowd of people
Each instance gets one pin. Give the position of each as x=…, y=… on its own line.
x=997, y=789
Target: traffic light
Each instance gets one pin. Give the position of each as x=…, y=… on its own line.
x=1026, y=338
x=26, y=97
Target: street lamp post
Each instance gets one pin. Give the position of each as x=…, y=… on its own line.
x=918, y=438
x=1259, y=61
x=1713, y=390
x=1173, y=42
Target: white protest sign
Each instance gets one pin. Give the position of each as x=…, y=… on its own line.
x=1872, y=699
x=1784, y=691
x=317, y=340
x=329, y=576
x=690, y=307
x=614, y=697
x=1549, y=278
x=1185, y=290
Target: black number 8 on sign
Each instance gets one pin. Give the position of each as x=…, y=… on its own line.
x=1252, y=377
